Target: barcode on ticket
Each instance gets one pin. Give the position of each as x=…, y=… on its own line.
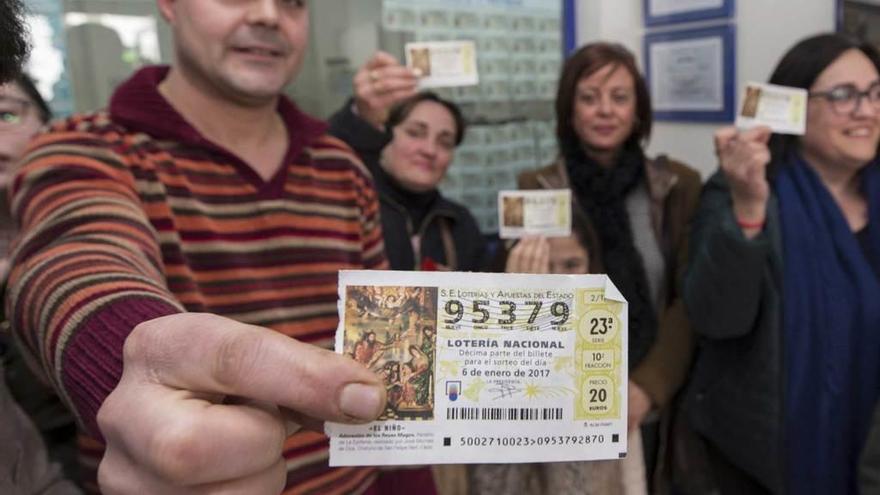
x=505, y=413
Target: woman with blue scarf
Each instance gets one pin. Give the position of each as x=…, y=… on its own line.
x=784, y=285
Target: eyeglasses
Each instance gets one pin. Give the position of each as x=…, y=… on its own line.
x=846, y=98
x=13, y=111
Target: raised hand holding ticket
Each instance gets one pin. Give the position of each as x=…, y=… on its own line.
x=485, y=367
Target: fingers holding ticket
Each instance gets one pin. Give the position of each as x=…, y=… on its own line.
x=380, y=83
x=529, y=255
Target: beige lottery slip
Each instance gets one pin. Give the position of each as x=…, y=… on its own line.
x=544, y=212
x=443, y=64
x=485, y=368
x=781, y=108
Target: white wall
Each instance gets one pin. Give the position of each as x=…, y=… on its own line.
x=765, y=30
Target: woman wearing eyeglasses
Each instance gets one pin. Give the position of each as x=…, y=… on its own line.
x=784, y=284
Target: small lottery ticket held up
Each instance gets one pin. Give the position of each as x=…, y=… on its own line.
x=781, y=108
x=485, y=368
x=545, y=212
x=443, y=63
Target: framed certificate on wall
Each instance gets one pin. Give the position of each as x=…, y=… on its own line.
x=658, y=12
x=692, y=74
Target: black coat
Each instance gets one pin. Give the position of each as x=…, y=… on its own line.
x=733, y=292
x=448, y=233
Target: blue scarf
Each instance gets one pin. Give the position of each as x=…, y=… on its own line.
x=831, y=325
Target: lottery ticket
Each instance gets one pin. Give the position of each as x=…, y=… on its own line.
x=545, y=212
x=485, y=368
x=443, y=63
x=781, y=108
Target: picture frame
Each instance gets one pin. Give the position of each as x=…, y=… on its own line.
x=662, y=12
x=691, y=74
x=569, y=27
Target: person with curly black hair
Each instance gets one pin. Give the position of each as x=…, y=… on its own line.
x=13, y=43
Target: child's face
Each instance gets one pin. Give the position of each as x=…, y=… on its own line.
x=567, y=255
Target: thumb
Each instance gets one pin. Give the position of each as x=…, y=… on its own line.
x=213, y=354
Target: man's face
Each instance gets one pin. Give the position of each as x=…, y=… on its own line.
x=247, y=50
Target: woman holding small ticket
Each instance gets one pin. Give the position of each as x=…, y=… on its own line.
x=631, y=215
x=784, y=281
x=407, y=139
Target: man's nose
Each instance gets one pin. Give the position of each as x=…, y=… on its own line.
x=264, y=12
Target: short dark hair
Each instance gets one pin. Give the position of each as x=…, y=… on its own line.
x=13, y=41
x=30, y=89
x=583, y=63
x=801, y=66
x=401, y=111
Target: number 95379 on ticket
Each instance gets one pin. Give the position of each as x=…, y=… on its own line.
x=485, y=368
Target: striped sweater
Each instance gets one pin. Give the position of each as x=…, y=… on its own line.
x=131, y=214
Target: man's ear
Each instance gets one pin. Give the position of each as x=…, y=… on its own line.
x=166, y=8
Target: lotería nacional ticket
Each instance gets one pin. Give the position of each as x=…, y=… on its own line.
x=485, y=368
x=443, y=63
x=544, y=212
x=781, y=108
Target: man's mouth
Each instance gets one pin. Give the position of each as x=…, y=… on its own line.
x=259, y=51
